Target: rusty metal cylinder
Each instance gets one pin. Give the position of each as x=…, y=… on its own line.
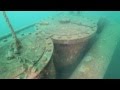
x=66, y=57
x=70, y=40
x=67, y=53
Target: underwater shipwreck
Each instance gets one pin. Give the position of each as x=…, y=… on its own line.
x=69, y=45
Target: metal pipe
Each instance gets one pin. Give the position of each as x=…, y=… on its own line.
x=96, y=61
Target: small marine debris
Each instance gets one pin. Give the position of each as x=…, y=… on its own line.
x=5, y=40
x=16, y=51
x=22, y=76
x=22, y=34
x=44, y=23
x=76, y=12
x=65, y=21
x=30, y=33
x=10, y=55
x=84, y=69
x=88, y=59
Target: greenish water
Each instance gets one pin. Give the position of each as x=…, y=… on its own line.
x=20, y=19
x=113, y=69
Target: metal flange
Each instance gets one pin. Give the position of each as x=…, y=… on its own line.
x=35, y=55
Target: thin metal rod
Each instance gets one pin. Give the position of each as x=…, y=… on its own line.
x=17, y=43
x=9, y=24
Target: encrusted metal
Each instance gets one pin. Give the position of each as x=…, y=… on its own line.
x=34, y=56
x=70, y=35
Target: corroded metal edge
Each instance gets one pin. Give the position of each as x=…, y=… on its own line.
x=41, y=64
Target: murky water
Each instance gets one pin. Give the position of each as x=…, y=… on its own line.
x=23, y=23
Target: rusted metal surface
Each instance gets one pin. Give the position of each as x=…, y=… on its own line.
x=70, y=37
x=35, y=56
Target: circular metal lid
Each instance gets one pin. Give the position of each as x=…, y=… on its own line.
x=66, y=31
x=35, y=54
x=85, y=21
